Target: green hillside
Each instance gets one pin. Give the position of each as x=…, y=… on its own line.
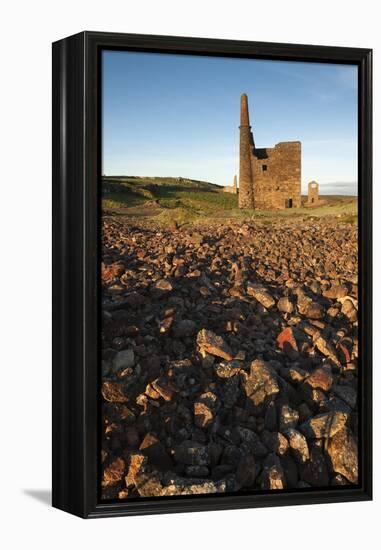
x=197, y=197
x=184, y=200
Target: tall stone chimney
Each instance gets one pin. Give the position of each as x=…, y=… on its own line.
x=235, y=183
x=246, y=195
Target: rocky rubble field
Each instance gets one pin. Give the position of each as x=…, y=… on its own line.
x=229, y=357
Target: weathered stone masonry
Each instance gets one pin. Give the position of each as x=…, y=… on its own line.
x=313, y=192
x=270, y=178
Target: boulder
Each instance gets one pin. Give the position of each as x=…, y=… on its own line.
x=209, y=342
x=260, y=293
x=324, y=425
x=343, y=453
x=320, y=378
x=262, y=384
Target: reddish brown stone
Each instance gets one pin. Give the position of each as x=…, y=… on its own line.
x=110, y=272
x=320, y=378
x=343, y=353
x=287, y=342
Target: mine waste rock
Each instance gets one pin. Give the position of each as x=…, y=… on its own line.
x=261, y=383
x=229, y=357
x=209, y=342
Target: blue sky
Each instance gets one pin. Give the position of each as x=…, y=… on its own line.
x=177, y=115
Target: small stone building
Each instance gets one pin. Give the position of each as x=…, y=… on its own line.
x=313, y=193
x=269, y=178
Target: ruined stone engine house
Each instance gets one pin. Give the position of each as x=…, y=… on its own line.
x=269, y=178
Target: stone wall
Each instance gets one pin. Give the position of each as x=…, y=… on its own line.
x=276, y=176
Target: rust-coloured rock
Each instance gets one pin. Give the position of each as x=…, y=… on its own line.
x=320, y=378
x=287, y=342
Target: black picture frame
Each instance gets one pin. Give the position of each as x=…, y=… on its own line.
x=76, y=215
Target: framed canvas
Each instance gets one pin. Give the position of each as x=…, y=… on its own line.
x=211, y=274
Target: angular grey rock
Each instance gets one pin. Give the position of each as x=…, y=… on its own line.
x=347, y=394
x=192, y=453
x=251, y=443
x=123, y=360
x=276, y=442
x=230, y=392
x=197, y=471
x=315, y=471
x=246, y=471
x=184, y=328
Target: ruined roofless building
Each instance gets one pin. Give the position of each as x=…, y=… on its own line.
x=269, y=178
x=313, y=192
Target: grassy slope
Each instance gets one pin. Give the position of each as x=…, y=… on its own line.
x=190, y=200
x=195, y=195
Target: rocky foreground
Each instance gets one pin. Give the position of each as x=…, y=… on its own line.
x=229, y=357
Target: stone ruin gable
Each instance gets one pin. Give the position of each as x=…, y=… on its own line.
x=313, y=192
x=276, y=174
x=313, y=198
